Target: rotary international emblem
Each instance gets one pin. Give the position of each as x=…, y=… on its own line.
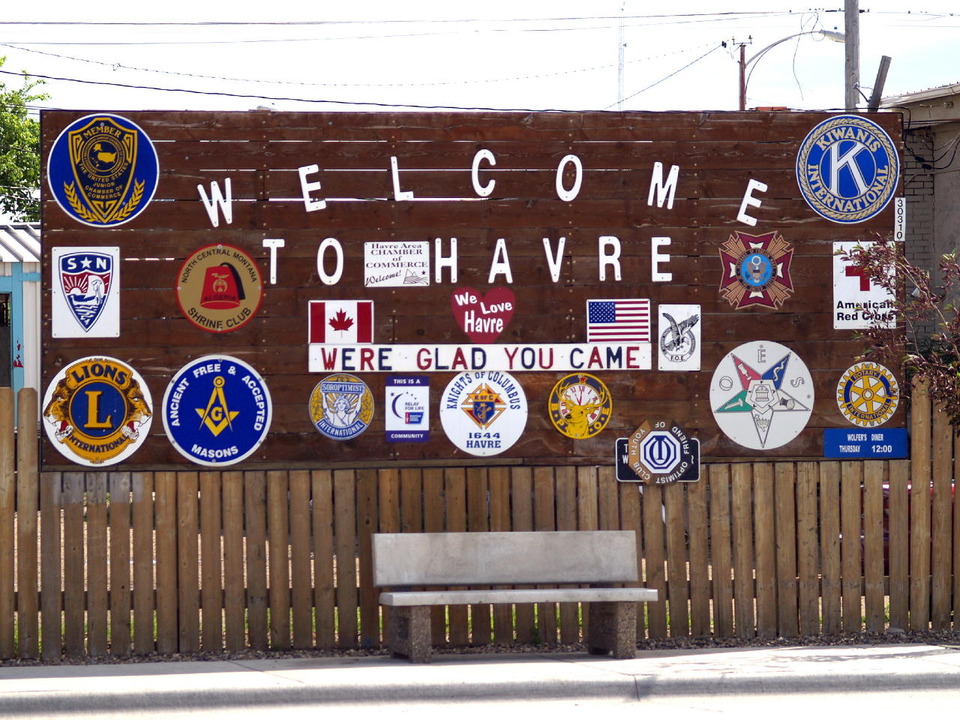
x=580, y=406
x=847, y=169
x=341, y=406
x=756, y=270
x=97, y=411
x=103, y=170
x=216, y=410
x=868, y=394
x=761, y=395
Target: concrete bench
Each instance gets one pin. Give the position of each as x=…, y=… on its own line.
x=600, y=559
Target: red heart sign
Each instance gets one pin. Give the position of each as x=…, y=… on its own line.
x=483, y=318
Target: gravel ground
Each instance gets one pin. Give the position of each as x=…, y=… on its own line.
x=950, y=638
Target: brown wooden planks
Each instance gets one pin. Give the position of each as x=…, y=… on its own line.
x=28, y=501
x=851, y=489
x=278, y=557
x=74, y=600
x=367, y=522
x=321, y=489
x=941, y=522
x=51, y=601
x=744, y=560
x=345, y=547
x=830, y=545
x=301, y=575
x=721, y=558
x=8, y=494
x=211, y=568
x=188, y=569
x=255, y=510
x=874, y=475
x=677, y=560
x=142, y=485
x=920, y=484
x=566, y=493
x=764, y=507
x=786, y=549
x=478, y=520
x=808, y=548
x=521, y=486
x=654, y=516
x=234, y=591
x=899, y=544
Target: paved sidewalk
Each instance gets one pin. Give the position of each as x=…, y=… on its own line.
x=143, y=688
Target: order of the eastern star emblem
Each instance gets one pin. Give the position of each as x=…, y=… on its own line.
x=847, y=169
x=86, y=279
x=216, y=410
x=761, y=395
x=97, y=411
x=103, y=170
x=756, y=270
x=580, y=406
x=868, y=394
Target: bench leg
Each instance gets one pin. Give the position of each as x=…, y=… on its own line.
x=612, y=627
x=409, y=633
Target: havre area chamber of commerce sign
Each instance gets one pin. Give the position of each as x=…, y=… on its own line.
x=641, y=289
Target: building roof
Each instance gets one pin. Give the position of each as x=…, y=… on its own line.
x=20, y=243
x=935, y=106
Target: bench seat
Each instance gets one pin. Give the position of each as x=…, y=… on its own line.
x=493, y=597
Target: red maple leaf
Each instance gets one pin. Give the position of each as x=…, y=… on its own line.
x=340, y=321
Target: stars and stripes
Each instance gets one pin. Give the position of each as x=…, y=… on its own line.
x=618, y=320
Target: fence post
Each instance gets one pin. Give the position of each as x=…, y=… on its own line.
x=7, y=495
x=28, y=505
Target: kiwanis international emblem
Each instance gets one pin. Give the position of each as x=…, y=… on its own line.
x=847, y=169
x=97, y=411
x=103, y=170
x=756, y=270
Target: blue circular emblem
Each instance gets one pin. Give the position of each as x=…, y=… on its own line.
x=103, y=170
x=341, y=406
x=847, y=169
x=756, y=270
x=216, y=410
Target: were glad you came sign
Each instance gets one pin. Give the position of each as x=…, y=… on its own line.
x=638, y=289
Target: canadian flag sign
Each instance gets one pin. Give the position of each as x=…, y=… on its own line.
x=340, y=322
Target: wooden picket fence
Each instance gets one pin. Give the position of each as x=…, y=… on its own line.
x=119, y=563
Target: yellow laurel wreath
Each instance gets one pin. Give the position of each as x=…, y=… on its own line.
x=78, y=208
x=71, y=192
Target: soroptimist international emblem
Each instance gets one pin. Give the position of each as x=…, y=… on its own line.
x=341, y=406
x=103, y=170
x=580, y=406
x=847, y=169
x=216, y=410
x=97, y=411
x=761, y=395
x=756, y=270
x=219, y=288
x=868, y=394
x=483, y=413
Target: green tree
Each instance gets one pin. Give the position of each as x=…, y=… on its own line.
x=19, y=151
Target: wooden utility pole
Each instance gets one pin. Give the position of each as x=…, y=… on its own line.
x=851, y=76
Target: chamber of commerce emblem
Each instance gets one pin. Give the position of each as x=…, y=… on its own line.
x=217, y=410
x=97, y=411
x=847, y=169
x=580, y=406
x=756, y=270
x=103, y=170
x=868, y=394
x=341, y=406
x=761, y=395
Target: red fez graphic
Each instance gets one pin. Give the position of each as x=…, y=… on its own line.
x=222, y=289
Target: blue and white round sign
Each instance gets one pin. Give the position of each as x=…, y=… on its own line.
x=847, y=169
x=103, y=170
x=217, y=410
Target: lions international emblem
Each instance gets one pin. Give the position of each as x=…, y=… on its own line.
x=97, y=411
x=103, y=170
x=847, y=169
x=580, y=406
x=756, y=270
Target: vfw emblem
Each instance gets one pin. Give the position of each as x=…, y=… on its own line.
x=87, y=279
x=756, y=270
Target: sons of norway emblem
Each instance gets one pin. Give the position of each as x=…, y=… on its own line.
x=103, y=170
x=97, y=411
x=756, y=270
x=85, y=301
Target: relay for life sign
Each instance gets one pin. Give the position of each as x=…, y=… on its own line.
x=308, y=287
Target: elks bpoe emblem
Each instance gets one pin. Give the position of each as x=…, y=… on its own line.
x=868, y=394
x=97, y=411
x=847, y=169
x=341, y=406
x=580, y=406
x=85, y=286
x=217, y=410
x=103, y=170
x=756, y=270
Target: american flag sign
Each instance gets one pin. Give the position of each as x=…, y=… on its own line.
x=618, y=320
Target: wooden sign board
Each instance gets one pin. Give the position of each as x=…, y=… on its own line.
x=307, y=288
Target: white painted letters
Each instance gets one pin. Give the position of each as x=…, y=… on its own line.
x=482, y=190
x=216, y=200
x=330, y=278
x=398, y=194
x=664, y=191
x=440, y=261
x=562, y=192
x=608, y=252
x=554, y=260
x=500, y=265
x=751, y=201
x=657, y=258
x=272, y=245
x=308, y=187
